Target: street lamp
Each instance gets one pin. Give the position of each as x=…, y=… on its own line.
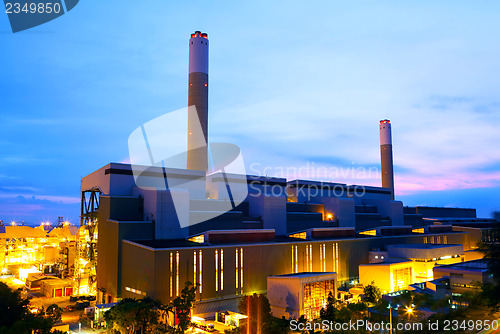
x=390, y=314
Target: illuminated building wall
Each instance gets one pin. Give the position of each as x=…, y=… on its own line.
x=148, y=266
x=426, y=256
x=389, y=276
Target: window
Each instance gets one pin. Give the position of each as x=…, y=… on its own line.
x=402, y=278
x=322, y=257
x=241, y=269
x=177, y=273
x=296, y=260
x=171, y=273
x=221, y=269
x=216, y=270
x=336, y=257
x=237, y=271
x=200, y=271
x=194, y=268
x=315, y=297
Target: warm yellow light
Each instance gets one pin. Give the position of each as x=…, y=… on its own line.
x=409, y=310
x=329, y=216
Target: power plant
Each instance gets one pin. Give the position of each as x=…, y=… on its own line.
x=314, y=233
x=386, y=155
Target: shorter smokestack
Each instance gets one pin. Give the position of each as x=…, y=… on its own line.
x=386, y=155
x=197, y=154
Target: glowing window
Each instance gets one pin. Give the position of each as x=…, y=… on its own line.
x=241, y=269
x=177, y=273
x=171, y=273
x=201, y=268
x=194, y=267
x=222, y=269
x=216, y=270
x=237, y=270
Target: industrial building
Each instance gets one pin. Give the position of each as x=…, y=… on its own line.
x=233, y=253
x=464, y=276
x=389, y=276
x=41, y=249
x=400, y=266
x=151, y=240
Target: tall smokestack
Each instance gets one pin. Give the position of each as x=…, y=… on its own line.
x=197, y=156
x=386, y=155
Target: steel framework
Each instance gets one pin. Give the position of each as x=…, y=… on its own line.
x=86, y=247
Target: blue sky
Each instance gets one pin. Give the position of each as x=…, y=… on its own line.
x=294, y=84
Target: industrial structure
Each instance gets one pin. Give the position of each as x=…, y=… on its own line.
x=86, y=243
x=284, y=229
x=26, y=250
x=386, y=156
x=197, y=154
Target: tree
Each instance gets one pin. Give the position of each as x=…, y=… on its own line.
x=344, y=314
x=54, y=311
x=141, y=316
x=132, y=316
x=279, y=325
x=16, y=317
x=258, y=310
x=329, y=312
x=372, y=293
x=358, y=310
x=441, y=305
x=182, y=306
x=492, y=256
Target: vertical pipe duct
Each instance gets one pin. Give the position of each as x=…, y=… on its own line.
x=197, y=155
x=386, y=155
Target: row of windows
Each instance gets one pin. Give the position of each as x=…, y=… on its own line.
x=437, y=239
x=139, y=292
x=309, y=258
x=470, y=286
x=198, y=271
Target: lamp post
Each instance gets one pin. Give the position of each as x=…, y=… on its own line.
x=390, y=314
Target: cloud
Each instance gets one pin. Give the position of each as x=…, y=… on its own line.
x=33, y=209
